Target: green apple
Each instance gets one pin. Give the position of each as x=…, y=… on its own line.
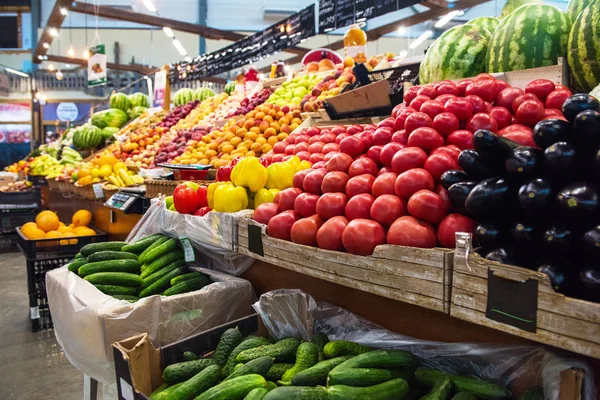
x=169, y=202
x=192, y=185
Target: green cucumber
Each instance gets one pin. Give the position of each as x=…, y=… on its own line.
x=307, y=355
x=258, y=366
x=102, y=246
x=256, y=394
x=132, y=266
x=187, y=286
x=344, y=348
x=164, y=394
x=78, y=255
x=229, y=340
x=536, y=393
x=297, y=393
x=156, y=243
x=366, y=376
x=320, y=339
x=162, y=283
x=76, y=264
x=277, y=370
x=189, y=356
x=479, y=387
x=159, y=250
x=441, y=390
x=469, y=396
x=150, y=279
x=197, y=384
x=161, y=262
x=115, y=289
x=389, y=359
x=248, y=343
x=317, y=374
x=139, y=246
x=396, y=389
x=271, y=385
x=181, y=372
x=127, y=297
x=114, y=278
x=235, y=389
x=185, y=277
x=111, y=255
x=283, y=350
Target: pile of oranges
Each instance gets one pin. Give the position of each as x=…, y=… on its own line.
x=47, y=225
x=253, y=134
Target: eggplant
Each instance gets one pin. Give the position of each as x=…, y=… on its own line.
x=453, y=176
x=489, y=236
x=472, y=163
x=578, y=103
x=558, y=239
x=578, y=202
x=556, y=273
x=493, y=148
x=550, y=131
x=536, y=197
x=458, y=193
x=524, y=233
x=490, y=199
x=501, y=255
x=560, y=159
x=591, y=243
x=589, y=279
x=586, y=130
x=523, y=162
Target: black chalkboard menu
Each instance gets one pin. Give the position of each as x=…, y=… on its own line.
x=365, y=9
x=338, y=14
x=326, y=15
x=383, y=7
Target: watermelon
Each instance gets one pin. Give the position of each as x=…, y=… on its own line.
x=87, y=136
x=120, y=101
x=183, y=96
x=138, y=99
x=108, y=132
x=584, y=48
x=488, y=23
x=531, y=36
x=229, y=87
x=457, y=53
x=512, y=5
x=202, y=94
x=97, y=119
x=575, y=8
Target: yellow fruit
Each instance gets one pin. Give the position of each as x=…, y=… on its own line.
x=64, y=229
x=71, y=226
x=62, y=223
x=82, y=218
x=47, y=221
x=105, y=171
x=83, y=231
x=108, y=159
x=53, y=235
x=117, y=166
x=28, y=225
x=83, y=173
x=34, y=234
x=95, y=172
x=66, y=242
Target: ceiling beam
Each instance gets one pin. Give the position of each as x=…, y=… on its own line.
x=123, y=67
x=55, y=20
x=15, y=9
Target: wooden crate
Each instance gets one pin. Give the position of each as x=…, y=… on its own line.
x=562, y=321
x=412, y=275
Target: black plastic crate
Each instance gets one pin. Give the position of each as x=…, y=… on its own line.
x=37, y=180
x=36, y=273
x=46, y=249
x=395, y=76
x=15, y=202
x=8, y=242
x=9, y=222
x=39, y=313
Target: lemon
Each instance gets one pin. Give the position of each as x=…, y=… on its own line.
x=105, y=171
x=95, y=172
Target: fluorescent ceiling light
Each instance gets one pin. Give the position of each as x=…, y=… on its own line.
x=149, y=5
x=424, y=36
x=14, y=71
x=168, y=31
x=179, y=47
x=447, y=18
x=53, y=32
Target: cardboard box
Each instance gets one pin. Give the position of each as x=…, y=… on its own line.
x=373, y=96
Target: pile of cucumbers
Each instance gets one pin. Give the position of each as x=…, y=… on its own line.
x=253, y=368
x=129, y=271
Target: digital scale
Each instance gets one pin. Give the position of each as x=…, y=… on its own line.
x=129, y=200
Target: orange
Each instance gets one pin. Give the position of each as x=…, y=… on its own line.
x=47, y=221
x=272, y=140
x=53, y=235
x=84, y=231
x=34, y=234
x=63, y=229
x=28, y=225
x=82, y=218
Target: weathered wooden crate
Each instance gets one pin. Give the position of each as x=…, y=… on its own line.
x=412, y=275
x=562, y=321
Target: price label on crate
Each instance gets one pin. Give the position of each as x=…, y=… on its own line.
x=34, y=312
x=255, y=243
x=512, y=302
x=98, y=192
x=188, y=250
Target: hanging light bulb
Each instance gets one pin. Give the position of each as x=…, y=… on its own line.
x=86, y=54
x=51, y=67
x=71, y=51
x=59, y=75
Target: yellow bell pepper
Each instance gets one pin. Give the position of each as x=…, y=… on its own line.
x=265, y=196
x=304, y=165
x=228, y=198
x=210, y=193
x=295, y=162
x=281, y=175
x=250, y=173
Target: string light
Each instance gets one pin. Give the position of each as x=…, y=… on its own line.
x=59, y=75
x=51, y=67
x=86, y=54
x=71, y=52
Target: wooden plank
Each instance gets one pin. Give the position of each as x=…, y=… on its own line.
x=55, y=20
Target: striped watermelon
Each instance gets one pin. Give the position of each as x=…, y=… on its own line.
x=120, y=101
x=202, y=94
x=584, y=48
x=488, y=23
x=108, y=132
x=575, y=8
x=112, y=117
x=87, y=136
x=138, y=99
x=512, y=5
x=97, y=119
x=183, y=96
x=136, y=112
x=229, y=87
x=457, y=53
x=531, y=36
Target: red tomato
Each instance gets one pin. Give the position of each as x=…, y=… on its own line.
x=315, y=158
x=264, y=212
x=363, y=166
x=553, y=112
x=329, y=147
x=386, y=123
x=425, y=138
x=462, y=86
x=407, y=158
x=300, y=147
x=428, y=206
x=388, y=151
x=327, y=138
x=418, y=101
x=452, y=223
x=400, y=137
x=304, y=231
x=557, y=98
x=411, y=181
x=278, y=157
x=359, y=184
x=439, y=163
x=374, y=153
x=432, y=108
x=452, y=150
x=329, y=236
x=506, y=97
x=387, y=208
x=338, y=138
x=445, y=123
x=306, y=204
x=286, y=198
x=331, y=204
x=361, y=236
x=462, y=108
x=530, y=112
x=334, y=181
x=354, y=129
x=312, y=181
x=359, y=206
x=501, y=85
x=540, y=87
x=280, y=226
x=447, y=88
x=482, y=121
x=512, y=128
x=384, y=170
x=478, y=103
x=501, y=115
x=409, y=231
x=399, y=122
x=445, y=97
x=443, y=193
x=298, y=181
x=484, y=88
x=382, y=136
x=428, y=91
x=279, y=147
x=352, y=146
x=316, y=147
x=411, y=93
x=482, y=76
x=517, y=102
x=417, y=120
x=384, y=184
x=397, y=110
x=339, y=162
x=318, y=165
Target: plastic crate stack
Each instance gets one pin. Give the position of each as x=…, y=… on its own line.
x=16, y=208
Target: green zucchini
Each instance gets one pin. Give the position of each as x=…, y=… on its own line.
x=396, y=389
x=234, y=389
x=159, y=251
x=185, y=277
x=127, y=297
x=164, y=393
x=469, y=396
x=307, y=355
x=78, y=255
x=258, y=366
x=256, y=394
x=441, y=390
x=366, y=376
x=197, y=384
x=228, y=341
x=189, y=356
x=156, y=243
x=114, y=278
x=536, y=393
x=320, y=339
x=479, y=387
x=297, y=393
x=132, y=266
x=162, y=283
x=317, y=374
x=277, y=370
x=139, y=246
x=115, y=289
x=344, y=348
x=161, y=262
x=76, y=264
x=181, y=372
x=111, y=255
x=283, y=350
x=389, y=359
x=248, y=343
x=187, y=286
x=150, y=279
x=102, y=246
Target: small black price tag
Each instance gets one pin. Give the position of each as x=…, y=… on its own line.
x=255, y=243
x=512, y=303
